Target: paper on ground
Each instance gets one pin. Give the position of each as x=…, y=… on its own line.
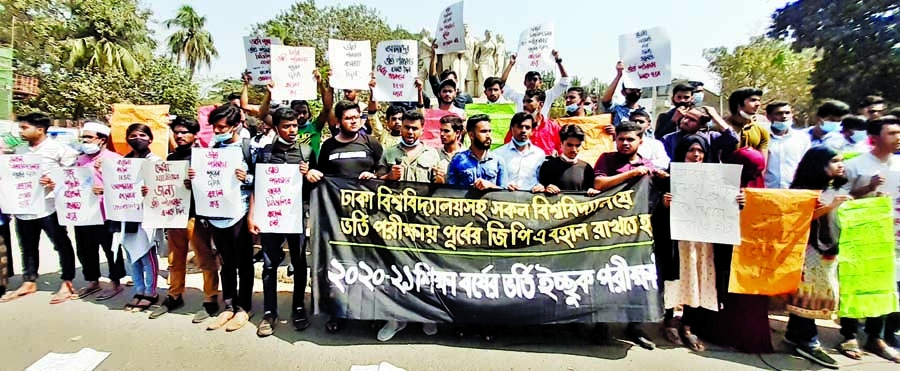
x=86, y=359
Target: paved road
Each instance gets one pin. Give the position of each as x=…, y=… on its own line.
x=34, y=328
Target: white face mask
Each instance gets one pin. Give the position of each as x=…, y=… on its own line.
x=90, y=148
x=282, y=141
x=562, y=156
x=745, y=115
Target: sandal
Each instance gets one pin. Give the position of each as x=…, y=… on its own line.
x=87, y=291
x=109, y=293
x=881, y=349
x=334, y=324
x=144, y=303
x=850, y=349
x=691, y=341
x=10, y=296
x=672, y=335
x=135, y=300
x=58, y=298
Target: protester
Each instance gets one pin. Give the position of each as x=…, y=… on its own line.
x=447, y=96
x=95, y=142
x=409, y=161
x=533, y=81
x=866, y=177
x=742, y=129
x=477, y=166
x=565, y=172
x=493, y=92
x=285, y=150
x=452, y=130
x=575, y=102
x=460, y=98
x=611, y=170
x=310, y=130
x=244, y=130
x=872, y=107
x=852, y=137
x=53, y=155
x=690, y=121
x=820, y=169
x=682, y=96
x=828, y=119
x=519, y=157
x=786, y=146
x=620, y=112
x=230, y=235
x=545, y=134
x=349, y=154
x=651, y=148
x=390, y=135
x=196, y=236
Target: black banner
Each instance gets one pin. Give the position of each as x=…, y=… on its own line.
x=430, y=253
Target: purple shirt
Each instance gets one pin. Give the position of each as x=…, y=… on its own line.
x=612, y=163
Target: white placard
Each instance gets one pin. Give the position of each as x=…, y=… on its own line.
x=76, y=203
x=168, y=201
x=259, y=58
x=351, y=64
x=451, y=35
x=535, y=51
x=122, y=182
x=292, y=72
x=20, y=187
x=217, y=191
x=647, y=55
x=396, y=66
x=278, y=199
x=704, y=208
x=86, y=359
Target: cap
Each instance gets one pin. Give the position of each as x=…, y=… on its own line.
x=450, y=82
x=627, y=83
x=96, y=127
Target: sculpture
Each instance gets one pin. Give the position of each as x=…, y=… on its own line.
x=481, y=59
x=485, y=62
x=425, y=42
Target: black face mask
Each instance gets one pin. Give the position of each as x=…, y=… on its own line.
x=633, y=97
x=681, y=104
x=139, y=144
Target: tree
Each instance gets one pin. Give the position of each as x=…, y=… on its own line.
x=859, y=40
x=770, y=65
x=191, y=42
x=306, y=24
x=217, y=93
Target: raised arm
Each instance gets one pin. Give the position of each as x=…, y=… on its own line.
x=508, y=69
x=611, y=90
x=327, y=102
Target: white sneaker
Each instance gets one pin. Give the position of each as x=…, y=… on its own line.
x=390, y=329
x=429, y=328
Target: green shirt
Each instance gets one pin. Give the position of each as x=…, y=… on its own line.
x=415, y=169
x=307, y=134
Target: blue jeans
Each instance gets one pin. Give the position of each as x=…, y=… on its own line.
x=802, y=331
x=144, y=272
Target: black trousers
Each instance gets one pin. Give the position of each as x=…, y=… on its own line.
x=236, y=248
x=7, y=236
x=274, y=255
x=882, y=327
x=88, y=242
x=29, y=232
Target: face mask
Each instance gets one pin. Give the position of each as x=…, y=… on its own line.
x=572, y=108
x=222, y=138
x=859, y=136
x=782, y=126
x=282, y=141
x=403, y=143
x=683, y=104
x=633, y=97
x=745, y=115
x=90, y=148
x=520, y=144
x=566, y=159
x=830, y=126
x=139, y=144
x=698, y=99
x=588, y=108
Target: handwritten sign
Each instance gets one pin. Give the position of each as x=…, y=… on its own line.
x=774, y=233
x=168, y=201
x=647, y=55
x=866, y=264
x=292, y=72
x=704, y=208
x=451, y=35
x=278, y=199
x=76, y=203
x=892, y=187
x=351, y=64
x=396, y=67
x=122, y=182
x=536, y=49
x=259, y=58
x=217, y=191
x=20, y=186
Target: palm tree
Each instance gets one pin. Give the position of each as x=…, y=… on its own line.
x=191, y=42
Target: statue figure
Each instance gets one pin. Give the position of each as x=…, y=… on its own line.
x=486, y=62
x=461, y=62
x=425, y=42
x=502, y=55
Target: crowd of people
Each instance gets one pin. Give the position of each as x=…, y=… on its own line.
x=348, y=139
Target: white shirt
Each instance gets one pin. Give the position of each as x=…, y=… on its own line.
x=785, y=152
x=557, y=91
x=520, y=167
x=53, y=155
x=840, y=143
x=653, y=150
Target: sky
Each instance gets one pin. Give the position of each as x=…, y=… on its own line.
x=586, y=30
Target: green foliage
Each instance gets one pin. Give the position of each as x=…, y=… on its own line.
x=860, y=42
x=771, y=65
x=191, y=43
x=307, y=24
x=222, y=89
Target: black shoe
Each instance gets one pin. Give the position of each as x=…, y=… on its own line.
x=2, y=290
x=639, y=337
x=212, y=308
x=817, y=355
x=267, y=326
x=258, y=257
x=168, y=305
x=300, y=319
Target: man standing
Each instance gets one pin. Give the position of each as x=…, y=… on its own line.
x=575, y=102
x=196, y=235
x=460, y=98
x=452, y=130
x=447, y=96
x=786, y=146
x=682, y=96
x=828, y=119
x=534, y=81
x=743, y=130
x=546, y=132
x=632, y=95
x=651, y=148
x=53, y=155
x=853, y=136
x=566, y=172
x=519, y=157
x=866, y=177
x=477, y=166
x=493, y=92
x=872, y=107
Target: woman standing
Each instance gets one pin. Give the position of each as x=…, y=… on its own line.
x=821, y=168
